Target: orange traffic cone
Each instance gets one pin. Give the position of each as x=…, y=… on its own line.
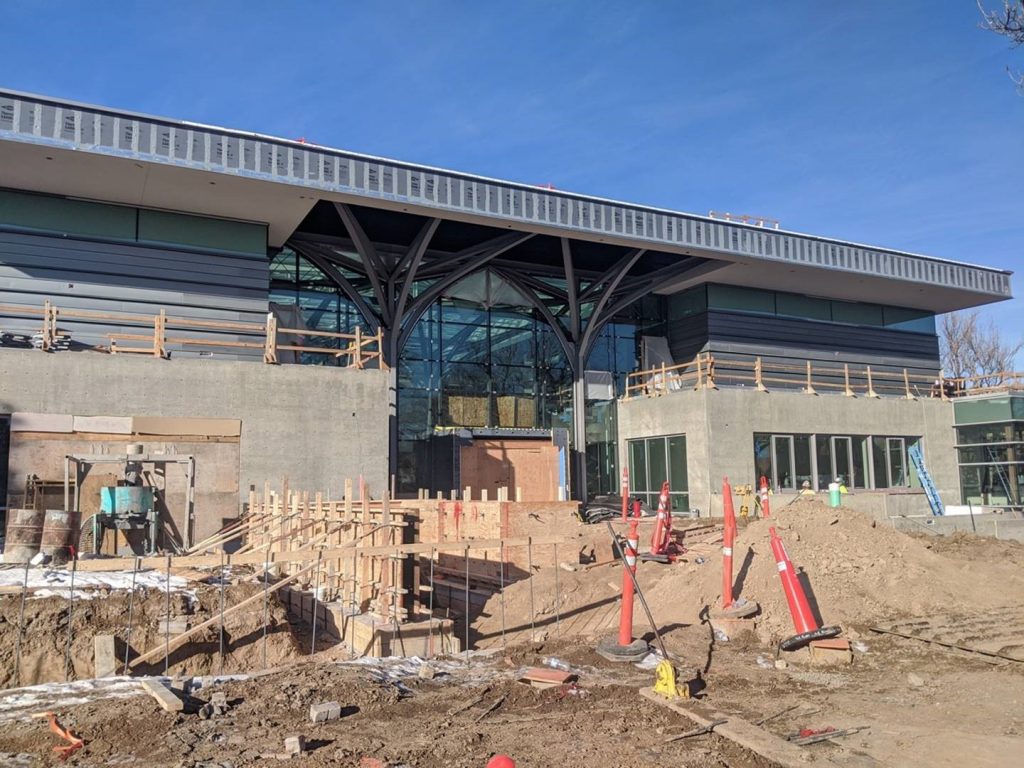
x=806, y=625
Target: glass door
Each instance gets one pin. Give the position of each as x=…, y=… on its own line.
x=842, y=460
x=897, y=463
x=782, y=462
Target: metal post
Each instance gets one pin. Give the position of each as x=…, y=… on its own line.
x=316, y=581
x=533, y=615
x=131, y=607
x=71, y=607
x=266, y=587
x=430, y=624
x=558, y=593
x=222, y=582
x=167, y=619
x=21, y=627
x=501, y=571
x=467, y=605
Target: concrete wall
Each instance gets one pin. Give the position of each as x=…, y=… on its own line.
x=314, y=425
x=719, y=427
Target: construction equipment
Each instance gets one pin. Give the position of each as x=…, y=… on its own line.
x=934, y=501
x=666, y=682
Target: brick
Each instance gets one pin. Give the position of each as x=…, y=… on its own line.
x=295, y=745
x=328, y=710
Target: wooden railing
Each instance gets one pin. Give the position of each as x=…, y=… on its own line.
x=812, y=378
x=157, y=333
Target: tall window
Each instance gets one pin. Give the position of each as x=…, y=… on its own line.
x=991, y=459
x=654, y=460
x=859, y=461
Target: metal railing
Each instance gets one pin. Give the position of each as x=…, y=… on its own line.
x=160, y=330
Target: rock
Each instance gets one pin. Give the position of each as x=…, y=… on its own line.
x=914, y=680
x=427, y=672
x=781, y=663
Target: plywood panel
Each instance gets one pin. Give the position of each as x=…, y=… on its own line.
x=528, y=464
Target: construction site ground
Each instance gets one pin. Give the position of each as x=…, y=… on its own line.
x=920, y=703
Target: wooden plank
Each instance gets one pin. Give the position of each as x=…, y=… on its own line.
x=163, y=695
x=746, y=734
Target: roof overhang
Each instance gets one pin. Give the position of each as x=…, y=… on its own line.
x=77, y=150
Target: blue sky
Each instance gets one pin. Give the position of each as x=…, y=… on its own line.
x=887, y=123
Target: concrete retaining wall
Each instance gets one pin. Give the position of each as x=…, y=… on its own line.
x=313, y=425
x=720, y=424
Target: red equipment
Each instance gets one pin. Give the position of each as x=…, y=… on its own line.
x=806, y=625
x=501, y=761
x=728, y=539
x=662, y=534
x=765, y=506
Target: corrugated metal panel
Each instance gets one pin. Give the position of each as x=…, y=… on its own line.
x=135, y=279
x=24, y=117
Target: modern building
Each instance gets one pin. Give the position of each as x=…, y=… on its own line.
x=509, y=335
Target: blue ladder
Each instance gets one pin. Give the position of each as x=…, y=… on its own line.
x=926, y=480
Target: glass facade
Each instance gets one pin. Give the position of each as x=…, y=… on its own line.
x=654, y=460
x=991, y=455
x=862, y=461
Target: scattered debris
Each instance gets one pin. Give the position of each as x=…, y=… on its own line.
x=294, y=746
x=322, y=713
x=74, y=742
x=164, y=696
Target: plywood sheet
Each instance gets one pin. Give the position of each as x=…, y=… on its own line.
x=42, y=422
x=171, y=425
x=109, y=425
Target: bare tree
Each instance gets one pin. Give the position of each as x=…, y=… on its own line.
x=1008, y=22
x=972, y=348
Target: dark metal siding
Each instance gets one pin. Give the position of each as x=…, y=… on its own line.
x=792, y=340
x=135, y=279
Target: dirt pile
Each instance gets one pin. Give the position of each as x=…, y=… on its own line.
x=45, y=633
x=859, y=572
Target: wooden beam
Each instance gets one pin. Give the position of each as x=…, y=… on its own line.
x=302, y=555
x=163, y=695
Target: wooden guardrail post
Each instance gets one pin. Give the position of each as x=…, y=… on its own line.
x=710, y=384
x=809, y=389
x=49, y=326
x=358, y=360
x=847, y=389
x=270, y=343
x=160, y=334
x=871, y=387
x=759, y=375
x=942, y=385
x=700, y=372
x=906, y=385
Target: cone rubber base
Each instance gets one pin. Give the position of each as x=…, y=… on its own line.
x=650, y=558
x=736, y=611
x=610, y=649
x=799, y=641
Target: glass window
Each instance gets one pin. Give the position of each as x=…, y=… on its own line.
x=741, y=299
x=802, y=456
x=72, y=217
x=202, y=232
x=795, y=305
x=878, y=462
x=657, y=466
x=688, y=303
x=782, y=460
x=856, y=313
x=677, y=464
x=464, y=343
x=638, y=466
x=861, y=461
x=762, y=458
x=654, y=460
x=823, y=452
x=897, y=462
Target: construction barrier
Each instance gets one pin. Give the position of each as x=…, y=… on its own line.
x=663, y=523
x=728, y=539
x=806, y=625
x=765, y=504
x=626, y=612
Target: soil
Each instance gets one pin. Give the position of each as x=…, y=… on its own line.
x=923, y=705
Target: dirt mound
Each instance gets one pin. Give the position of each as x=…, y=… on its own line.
x=858, y=572
x=45, y=633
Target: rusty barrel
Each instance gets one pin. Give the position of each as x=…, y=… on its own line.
x=60, y=531
x=24, y=534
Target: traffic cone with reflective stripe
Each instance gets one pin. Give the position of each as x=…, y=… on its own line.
x=806, y=625
x=624, y=647
x=730, y=608
x=765, y=504
x=662, y=524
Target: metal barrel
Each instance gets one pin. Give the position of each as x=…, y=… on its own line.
x=60, y=530
x=24, y=534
